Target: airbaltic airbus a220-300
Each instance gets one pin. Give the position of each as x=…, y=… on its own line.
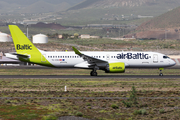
x=110, y=62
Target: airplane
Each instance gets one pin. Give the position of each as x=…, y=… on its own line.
x=110, y=62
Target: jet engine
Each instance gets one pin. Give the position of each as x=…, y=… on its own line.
x=118, y=67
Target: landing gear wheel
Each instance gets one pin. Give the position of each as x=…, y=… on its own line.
x=93, y=73
x=160, y=74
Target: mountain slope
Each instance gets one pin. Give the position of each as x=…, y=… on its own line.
x=5, y=7
x=125, y=3
x=30, y=2
x=170, y=19
x=166, y=26
x=33, y=6
x=99, y=9
x=39, y=7
x=44, y=7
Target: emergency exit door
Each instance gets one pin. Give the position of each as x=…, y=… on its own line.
x=155, y=58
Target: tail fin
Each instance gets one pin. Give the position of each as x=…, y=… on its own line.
x=26, y=51
x=21, y=42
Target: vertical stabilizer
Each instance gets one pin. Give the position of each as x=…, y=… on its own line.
x=24, y=47
x=21, y=42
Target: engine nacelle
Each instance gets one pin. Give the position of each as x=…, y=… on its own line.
x=118, y=67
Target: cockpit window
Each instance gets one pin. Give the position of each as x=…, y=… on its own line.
x=165, y=57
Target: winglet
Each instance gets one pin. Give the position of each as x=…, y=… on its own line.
x=76, y=51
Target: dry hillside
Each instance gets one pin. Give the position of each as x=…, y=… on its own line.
x=170, y=19
x=166, y=26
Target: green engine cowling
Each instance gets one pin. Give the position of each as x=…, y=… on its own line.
x=118, y=67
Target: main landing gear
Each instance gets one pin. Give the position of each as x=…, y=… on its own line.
x=161, y=74
x=93, y=72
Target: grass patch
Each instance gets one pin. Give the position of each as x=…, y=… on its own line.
x=21, y=112
x=140, y=112
x=48, y=108
x=114, y=106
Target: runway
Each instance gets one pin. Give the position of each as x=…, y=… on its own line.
x=86, y=76
x=44, y=67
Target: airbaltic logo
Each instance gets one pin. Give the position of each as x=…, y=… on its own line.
x=117, y=67
x=132, y=56
x=24, y=47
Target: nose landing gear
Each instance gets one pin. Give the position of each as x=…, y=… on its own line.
x=161, y=74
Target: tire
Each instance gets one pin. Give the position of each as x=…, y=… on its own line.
x=160, y=74
x=93, y=73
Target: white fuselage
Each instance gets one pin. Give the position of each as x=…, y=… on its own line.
x=131, y=59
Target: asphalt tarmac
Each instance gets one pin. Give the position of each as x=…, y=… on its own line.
x=43, y=67
x=86, y=76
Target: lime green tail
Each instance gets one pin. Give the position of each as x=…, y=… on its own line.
x=26, y=51
x=21, y=42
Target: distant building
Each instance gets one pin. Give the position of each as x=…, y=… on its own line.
x=85, y=36
x=40, y=38
x=95, y=37
x=140, y=16
x=5, y=37
x=60, y=36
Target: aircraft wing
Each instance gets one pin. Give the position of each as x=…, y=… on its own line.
x=89, y=59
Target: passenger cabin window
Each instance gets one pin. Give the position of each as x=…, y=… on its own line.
x=165, y=57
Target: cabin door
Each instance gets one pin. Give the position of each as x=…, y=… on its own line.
x=155, y=58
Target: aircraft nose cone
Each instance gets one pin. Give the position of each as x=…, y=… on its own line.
x=173, y=62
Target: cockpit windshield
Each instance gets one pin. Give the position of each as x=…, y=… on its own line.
x=165, y=57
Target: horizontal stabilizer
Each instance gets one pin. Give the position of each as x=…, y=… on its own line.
x=20, y=55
